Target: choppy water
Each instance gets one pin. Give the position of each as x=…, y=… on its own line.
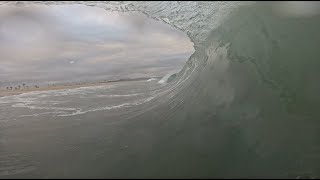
x=245, y=105
x=70, y=102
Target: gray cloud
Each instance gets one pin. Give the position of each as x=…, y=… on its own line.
x=38, y=44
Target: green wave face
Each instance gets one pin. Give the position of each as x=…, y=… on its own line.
x=245, y=105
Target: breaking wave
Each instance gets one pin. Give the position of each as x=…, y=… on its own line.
x=246, y=104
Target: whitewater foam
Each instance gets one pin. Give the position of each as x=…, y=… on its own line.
x=247, y=95
x=124, y=105
x=151, y=79
x=119, y=95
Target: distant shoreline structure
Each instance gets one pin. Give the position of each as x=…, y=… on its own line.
x=5, y=91
x=33, y=84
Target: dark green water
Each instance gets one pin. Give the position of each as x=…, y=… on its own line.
x=244, y=106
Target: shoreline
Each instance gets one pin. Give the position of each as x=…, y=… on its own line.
x=4, y=93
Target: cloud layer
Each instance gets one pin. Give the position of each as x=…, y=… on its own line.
x=75, y=42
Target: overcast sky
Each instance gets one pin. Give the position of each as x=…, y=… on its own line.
x=77, y=42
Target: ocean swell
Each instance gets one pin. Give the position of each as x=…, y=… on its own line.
x=245, y=104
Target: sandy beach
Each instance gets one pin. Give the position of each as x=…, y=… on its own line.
x=4, y=92
x=47, y=88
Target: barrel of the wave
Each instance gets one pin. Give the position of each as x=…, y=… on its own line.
x=255, y=102
x=250, y=109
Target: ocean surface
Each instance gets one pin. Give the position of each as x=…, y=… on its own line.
x=245, y=105
x=40, y=120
